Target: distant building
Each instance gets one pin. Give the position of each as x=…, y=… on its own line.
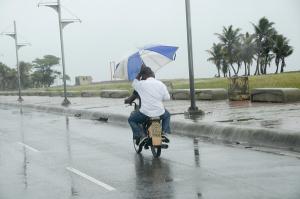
x=83, y=80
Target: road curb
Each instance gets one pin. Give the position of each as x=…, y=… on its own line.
x=100, y=93
x=262, y=137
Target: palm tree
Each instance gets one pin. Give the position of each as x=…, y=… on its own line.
x=281, y=50
x=248, y=50
x=278, y=49
x=267, y=56
x=237, y=54
x=264, y=32
x=225, y=69
x=216, y=53
x=266, y=62
x=229, y=39
x=288, y=50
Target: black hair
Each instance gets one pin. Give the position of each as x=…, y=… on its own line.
x=146, y=72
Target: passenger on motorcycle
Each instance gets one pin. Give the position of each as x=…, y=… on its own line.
x=152, y=93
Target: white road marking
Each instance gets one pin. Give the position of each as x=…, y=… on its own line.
x=102, y=184
x=29, y=147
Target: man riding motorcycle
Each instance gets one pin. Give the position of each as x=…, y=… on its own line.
x=152, y=93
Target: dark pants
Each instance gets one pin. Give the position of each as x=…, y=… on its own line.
x=137, y=119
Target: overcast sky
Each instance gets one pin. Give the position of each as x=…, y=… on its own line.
x=113, y=29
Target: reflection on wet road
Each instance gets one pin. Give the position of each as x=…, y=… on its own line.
x=51, y=156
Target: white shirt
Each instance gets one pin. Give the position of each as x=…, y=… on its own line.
x=152, y=93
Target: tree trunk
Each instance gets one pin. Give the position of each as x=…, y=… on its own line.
x=234, y=71
x=219, y=71
x=266, y=64
x=238, y=70
x=277, y=64
x=261, y=68
x=265, y=69
x=245, y=64
x=282, y=65
x=257, y=66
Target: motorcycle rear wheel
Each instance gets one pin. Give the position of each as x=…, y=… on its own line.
x=137, y=148
x=156, y=151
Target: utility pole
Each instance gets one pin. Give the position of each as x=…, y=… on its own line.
x=62, y=23
x=193, y=109
x=14, y=35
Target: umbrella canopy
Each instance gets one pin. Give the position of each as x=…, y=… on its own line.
x=154, y=57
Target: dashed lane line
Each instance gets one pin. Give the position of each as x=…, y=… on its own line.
x=87, y=177
x=29, y=147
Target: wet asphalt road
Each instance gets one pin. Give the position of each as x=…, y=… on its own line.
x=45, y=156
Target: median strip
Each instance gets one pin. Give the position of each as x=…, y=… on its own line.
x=102, y=184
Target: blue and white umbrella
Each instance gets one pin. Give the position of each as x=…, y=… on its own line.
x=154, y=57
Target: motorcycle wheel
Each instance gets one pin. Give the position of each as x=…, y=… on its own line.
x=137, y=148
x=156, y=151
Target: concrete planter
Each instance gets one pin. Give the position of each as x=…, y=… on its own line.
x=42, y=93
x=238, y=89
x=71, y=94
x=90, y=94
x=114, y=93
x=54, y=93
x=200, y=94
x=28, y=93
x=279, y=95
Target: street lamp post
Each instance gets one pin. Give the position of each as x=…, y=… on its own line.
x=193, y=109
x=18, y=65
x=62, y=23
x=112, y=65
x=14, y=35
x=66, y=102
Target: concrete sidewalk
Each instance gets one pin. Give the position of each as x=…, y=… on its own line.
x=255, y=124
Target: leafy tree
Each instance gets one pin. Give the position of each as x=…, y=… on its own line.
x=3, y=73
x=25, y=73
x=37, y=79
x=59, y=78
x=11, y=79
x=8, y=77
x=44, y=75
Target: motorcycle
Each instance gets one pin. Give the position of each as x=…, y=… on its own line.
x=154, y=138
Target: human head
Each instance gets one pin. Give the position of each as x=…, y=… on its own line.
x=146, y=72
